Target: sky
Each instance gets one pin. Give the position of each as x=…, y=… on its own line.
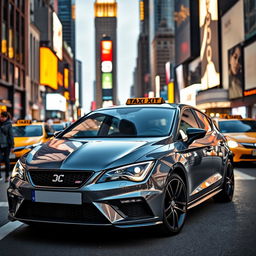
x=127, y=34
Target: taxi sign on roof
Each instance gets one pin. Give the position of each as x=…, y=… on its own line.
x=227, y=116
x=138, y=101
x=24, y=122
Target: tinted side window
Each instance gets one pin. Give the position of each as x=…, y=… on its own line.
x=187, y=121
x=203, y=121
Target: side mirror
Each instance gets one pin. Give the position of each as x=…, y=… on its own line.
x=194, y=134
x=50, y=134
x=55, y=134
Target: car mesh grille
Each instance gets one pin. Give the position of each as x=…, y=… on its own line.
x=85, y=213
x=133, y=210
x=249, y=145
x=73, y=179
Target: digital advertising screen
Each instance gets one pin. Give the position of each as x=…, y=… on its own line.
x=235, y=72
x=210, y=71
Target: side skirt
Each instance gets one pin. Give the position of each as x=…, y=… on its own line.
x=204, y=198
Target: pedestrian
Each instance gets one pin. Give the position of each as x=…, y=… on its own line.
x=6, y=142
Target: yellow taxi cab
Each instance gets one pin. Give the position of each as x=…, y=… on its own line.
x=28, y=134
x=240, y=134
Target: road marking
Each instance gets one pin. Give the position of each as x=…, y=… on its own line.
x=3, y=204
x=243, y=176
x=8, y=228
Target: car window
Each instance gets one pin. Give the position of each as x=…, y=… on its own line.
x=27, y=131
x=237, y=126
x=124, y=122
x=203, y=121
x=187, y=121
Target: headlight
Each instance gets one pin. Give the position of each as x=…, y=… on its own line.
x=232, y=144
x=18, y=171
x=134, y=172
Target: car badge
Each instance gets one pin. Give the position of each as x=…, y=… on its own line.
x=58, y=178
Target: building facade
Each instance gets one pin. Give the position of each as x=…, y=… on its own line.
x=105, y=52
x=219, y=75
x=161, y=43
x=143, y=86
x=13, y=56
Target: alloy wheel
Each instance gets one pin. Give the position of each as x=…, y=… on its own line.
x=175, y=205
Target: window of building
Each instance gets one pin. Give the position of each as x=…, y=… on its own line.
x=17, y=76
x=5, y=70
x=22, y=50
x=11, y=33
x=22, y=80
x=11, y=73
x=17, y=37
x=4, y=29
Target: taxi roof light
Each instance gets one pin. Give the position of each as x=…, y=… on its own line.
x=24, y=121
x=140, y=101
x=227, y=116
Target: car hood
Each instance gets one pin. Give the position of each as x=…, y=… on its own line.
x=90, y=154
x=249, y=137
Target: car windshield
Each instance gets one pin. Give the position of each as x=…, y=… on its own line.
x=27, y=131
x=58, y=127
x=237, y=126
x=124, y=122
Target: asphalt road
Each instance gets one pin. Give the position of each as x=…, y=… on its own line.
x=210, y=229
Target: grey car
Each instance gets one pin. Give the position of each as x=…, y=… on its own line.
x=126, y=166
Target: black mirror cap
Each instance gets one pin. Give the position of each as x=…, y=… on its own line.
x=55, y=134
x=194, y=134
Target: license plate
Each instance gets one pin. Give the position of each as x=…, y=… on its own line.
x=56, y=197
x=254, y=152
x=12, y=156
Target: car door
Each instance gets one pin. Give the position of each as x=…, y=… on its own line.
x=198, y=162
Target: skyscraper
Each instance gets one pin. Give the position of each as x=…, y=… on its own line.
x=161, y=42
x=66, y=13
x=106, y=52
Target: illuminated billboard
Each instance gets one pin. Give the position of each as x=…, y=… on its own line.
x=107, y=81
x=57, y=35
x=48, y=68
x=235, y=72
x=249, y=67
x=107, y=85
x=232, y=33
x=209, y=52
x=106, y=50
x=55, y=101
x=106, y=66
x=250, y=18
x=182, y=31
x=66, y=77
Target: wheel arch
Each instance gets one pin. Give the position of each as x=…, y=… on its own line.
x=179, y=169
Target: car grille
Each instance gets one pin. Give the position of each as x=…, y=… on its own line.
x=133, y=210
x=85, y=213
x=46, y=178
x=248, y=157
x=249, y=145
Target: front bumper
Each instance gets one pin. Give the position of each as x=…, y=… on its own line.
x=241, y=154
x=120, y=203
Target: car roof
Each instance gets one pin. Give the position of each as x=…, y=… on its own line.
x=33, y=123
x=163, y=105
x=234, y=119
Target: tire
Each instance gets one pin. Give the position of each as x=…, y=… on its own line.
x=174, y=206
x=226, y=195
